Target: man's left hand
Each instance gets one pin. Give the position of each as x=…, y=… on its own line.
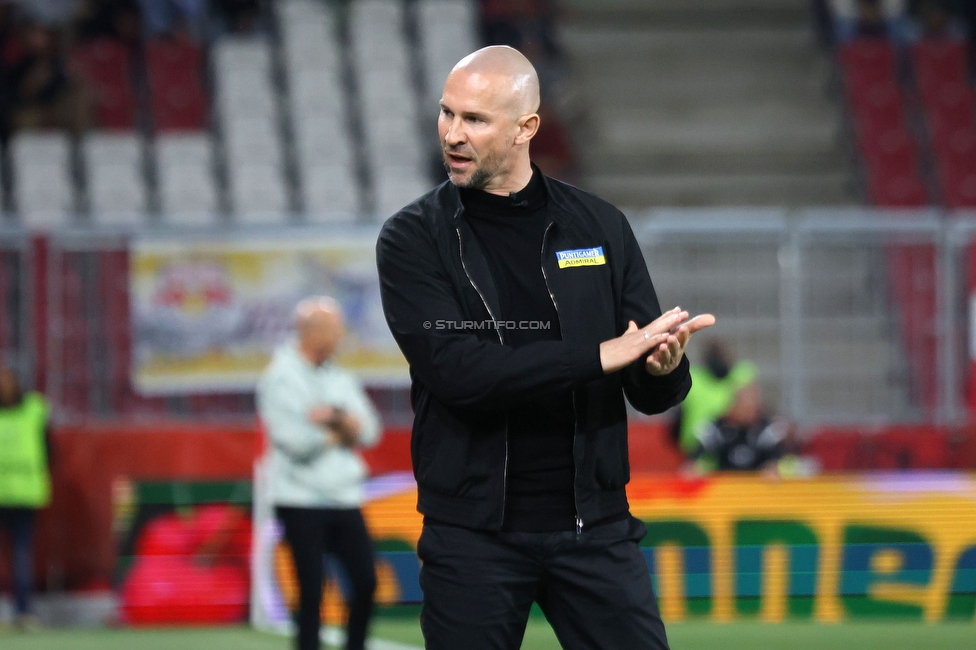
x=666, y=357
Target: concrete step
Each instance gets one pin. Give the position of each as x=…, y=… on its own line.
x=641, y=190
x=688, y=12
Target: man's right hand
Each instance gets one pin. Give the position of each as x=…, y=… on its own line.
x=636, y=343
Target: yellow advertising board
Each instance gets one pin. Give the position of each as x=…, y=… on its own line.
x=208, y=313
x=734, y=547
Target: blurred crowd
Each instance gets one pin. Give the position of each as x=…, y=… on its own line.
x=902, y=21
x=40, y=87
x=530, y=27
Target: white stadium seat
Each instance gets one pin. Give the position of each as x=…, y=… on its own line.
x=447, y=34
x=331, y=193
x=41, y=167
x=187, y=190
x=257, y=194
x=116, y=182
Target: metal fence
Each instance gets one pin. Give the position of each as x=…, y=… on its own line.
x=852, y=316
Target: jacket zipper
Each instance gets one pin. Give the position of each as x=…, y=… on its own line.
x=545, y=277
x=498, y=333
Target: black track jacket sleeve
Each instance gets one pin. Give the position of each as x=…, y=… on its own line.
x=460, y=368
x=638, y=302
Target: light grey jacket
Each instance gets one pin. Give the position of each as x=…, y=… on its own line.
x=306, y=470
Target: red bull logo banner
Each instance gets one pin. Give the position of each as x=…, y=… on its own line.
x=730, y=547
x=208, y=313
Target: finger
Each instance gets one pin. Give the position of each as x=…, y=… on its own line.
x=668, y=322
x=653, y=365
x=699, y=322
x=663, y=355
x=631, y=327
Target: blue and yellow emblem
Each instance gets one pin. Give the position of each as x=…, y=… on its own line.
x=581, y=257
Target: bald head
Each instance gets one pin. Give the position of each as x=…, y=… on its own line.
x=515, y=76
x=488, y=116
x=319, y=325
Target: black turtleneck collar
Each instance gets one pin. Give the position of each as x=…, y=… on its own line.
x=529, y=200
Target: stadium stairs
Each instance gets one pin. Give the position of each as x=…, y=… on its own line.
x=704, y=102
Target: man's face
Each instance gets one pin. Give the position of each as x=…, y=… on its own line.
x=321, y=336
x=477, y=126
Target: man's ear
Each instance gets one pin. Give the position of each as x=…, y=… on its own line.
x=528, y=127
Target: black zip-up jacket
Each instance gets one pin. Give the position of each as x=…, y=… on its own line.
x=440, y=303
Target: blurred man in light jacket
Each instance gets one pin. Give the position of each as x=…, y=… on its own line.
x=316, y=415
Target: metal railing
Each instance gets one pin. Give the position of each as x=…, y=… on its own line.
x=852, y=316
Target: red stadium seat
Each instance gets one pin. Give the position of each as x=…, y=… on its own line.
x=959, y=187
x=879, y=105
x=937, y=62
x=864, y=61
x=891, y=152
x=903, y=190
x=176, y=89
x=105, y=66
x=948, y=107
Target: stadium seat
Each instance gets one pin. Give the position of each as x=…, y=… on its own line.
x=330, y=193
x=242, y=53
x=310, y=37
x=252, y=140
x=959, y=187
x=105, y=66
x=244, y=93
x=176, y=88
x=890, y=152
x=41, y=167
x=937, y=62
x=116, y=184
x=315, y=93
x=257, y=194
x=866, y=59
x=878, y=102
x=948, y=109
x=904, y=190
x=323, y=141
x=395, y=188
x=187, y=192
x=447, y=33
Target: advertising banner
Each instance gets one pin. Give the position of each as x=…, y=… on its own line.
x=208, y=313
x=727, y=547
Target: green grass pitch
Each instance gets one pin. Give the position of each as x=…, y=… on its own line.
x=403, y=633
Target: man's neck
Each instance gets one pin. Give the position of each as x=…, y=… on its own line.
x=515, y=181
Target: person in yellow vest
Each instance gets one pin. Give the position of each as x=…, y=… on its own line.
x=25, y=481
x=714, y=385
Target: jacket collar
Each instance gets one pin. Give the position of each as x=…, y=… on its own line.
x=560, y=210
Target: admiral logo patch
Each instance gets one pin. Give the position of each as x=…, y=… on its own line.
x=581, y=257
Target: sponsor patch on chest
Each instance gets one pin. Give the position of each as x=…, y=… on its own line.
x=581, y=257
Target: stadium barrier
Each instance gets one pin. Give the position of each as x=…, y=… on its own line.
x=726, y=547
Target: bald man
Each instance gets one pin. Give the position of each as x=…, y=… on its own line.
x=316, y=415
x=526, y=312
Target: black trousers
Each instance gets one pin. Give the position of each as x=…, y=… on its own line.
x=311, y=532
x=594, y=588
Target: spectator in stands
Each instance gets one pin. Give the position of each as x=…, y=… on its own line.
x=238, y=16
x=51, y=13
x=25, y=483
x=42, y=94
x=171, y=17
x=870, y=19
x=112, y=19
x=714, y=385
x=317, y=415
x=934, y=21
x=9, y=53
x=745, y=438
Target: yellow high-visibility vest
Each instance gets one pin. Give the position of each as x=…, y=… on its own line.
x=24, y=477
x=710, y=397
